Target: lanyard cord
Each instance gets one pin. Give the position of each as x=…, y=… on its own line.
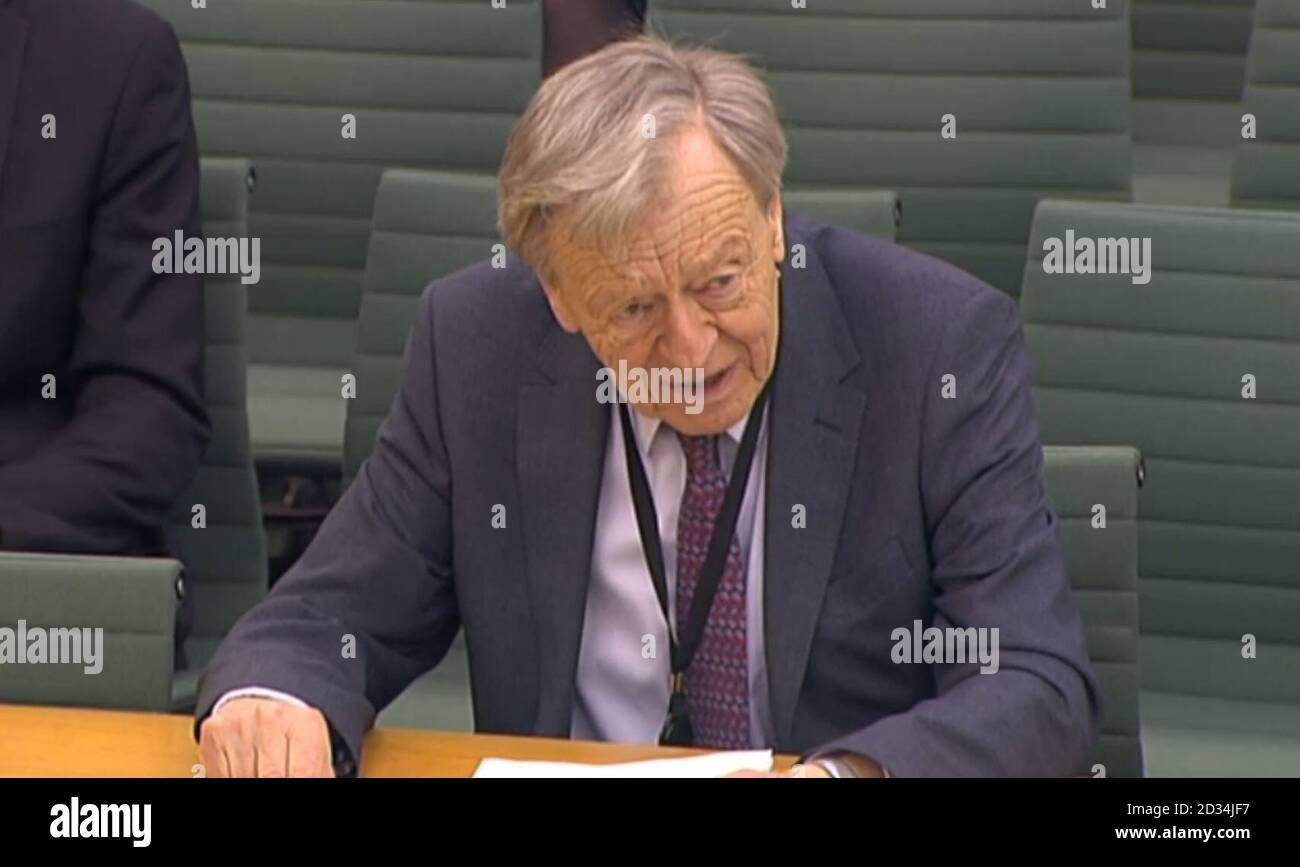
x=723, y=529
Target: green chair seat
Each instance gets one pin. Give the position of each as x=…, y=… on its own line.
x=1201, y=736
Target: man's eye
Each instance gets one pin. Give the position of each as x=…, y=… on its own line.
x=633, y=311
x=722, y=285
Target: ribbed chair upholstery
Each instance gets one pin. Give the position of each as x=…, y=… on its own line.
x=426, y=225
x=1167, y=367
x=1102, y=560
x=875, y=212
x=225, y=560
x=1266, y=173
x=1039, y=90
x=1190, y=49
x=432, y=84
x=132, y=599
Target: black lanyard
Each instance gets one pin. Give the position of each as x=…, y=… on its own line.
x=677, y=728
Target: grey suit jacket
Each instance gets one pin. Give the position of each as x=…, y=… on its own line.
x=918, y=507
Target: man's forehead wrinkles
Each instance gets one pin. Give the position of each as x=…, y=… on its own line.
x=723, y=233
x=726, y=245
x=588, y=266
x=698, y=228
x=710, y=222
x=702, y=206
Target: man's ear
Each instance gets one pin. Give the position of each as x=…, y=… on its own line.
x=560, y=308
x=776, y=224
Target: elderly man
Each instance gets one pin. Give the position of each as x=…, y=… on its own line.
x=749, y=569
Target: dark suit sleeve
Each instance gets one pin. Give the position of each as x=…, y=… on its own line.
x=139, y=428
x=376, y=580
x=997, y=562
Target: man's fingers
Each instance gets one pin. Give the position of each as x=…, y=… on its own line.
x=257, y=737
x=221, y=748
x=270, y=737
x=237, y=747
x=211, y=754
x=309, y=751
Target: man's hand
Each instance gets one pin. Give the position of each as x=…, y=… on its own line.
x=858, y=765
x=263, y=737
x=797, y=772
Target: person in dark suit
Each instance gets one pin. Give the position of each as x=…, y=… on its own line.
x=848, y=458
x=572, y=29
x=102, y=421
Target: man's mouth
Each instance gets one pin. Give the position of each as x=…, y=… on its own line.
x=716, y=383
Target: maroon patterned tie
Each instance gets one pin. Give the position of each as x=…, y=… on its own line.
x=717, y=681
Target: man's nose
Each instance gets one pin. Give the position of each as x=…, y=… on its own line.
x=689, y=334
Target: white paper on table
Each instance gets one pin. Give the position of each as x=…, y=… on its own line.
x=709, y=765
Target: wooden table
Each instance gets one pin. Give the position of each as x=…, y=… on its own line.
x=76, y=742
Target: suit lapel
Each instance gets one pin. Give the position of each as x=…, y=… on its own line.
x=815, y=422
x=560, y=448
x=13, y=40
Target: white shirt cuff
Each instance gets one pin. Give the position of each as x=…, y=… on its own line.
x=256, y=692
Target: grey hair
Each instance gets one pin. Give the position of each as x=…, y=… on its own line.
x=580, y=145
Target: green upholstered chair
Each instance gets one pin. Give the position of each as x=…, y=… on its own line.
x=1168, y=367
x=1190, y=49
x=430, y=85
x=875, y=212
x=131, y=599
x=426, y=225
x=1189, y=60
x=225, y=560
x=1102, y=561
x=1039, y=90
x=1266, y=173
x=134, y=599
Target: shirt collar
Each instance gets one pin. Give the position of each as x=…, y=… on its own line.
x=647, y=429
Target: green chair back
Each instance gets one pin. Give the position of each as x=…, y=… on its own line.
x=223, y=547
x=1190, y=49
x=1266, y=173
x=109, y=621
x=1094, y=492
x=1197, y=369
x=432, y=85
x=1038, y=91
